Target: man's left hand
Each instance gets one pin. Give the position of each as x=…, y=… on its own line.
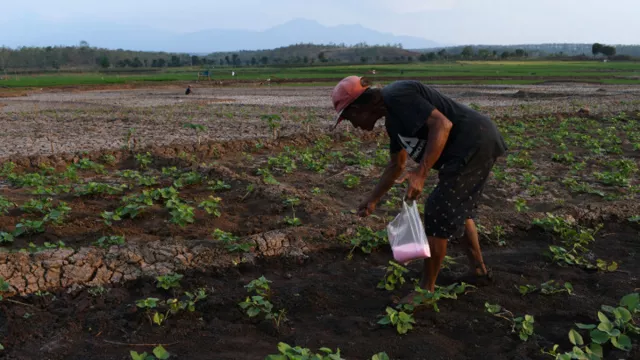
x=416, y=180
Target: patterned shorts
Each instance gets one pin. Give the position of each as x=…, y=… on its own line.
x=455, y=198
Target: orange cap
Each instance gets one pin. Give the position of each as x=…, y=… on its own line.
x=346, y=92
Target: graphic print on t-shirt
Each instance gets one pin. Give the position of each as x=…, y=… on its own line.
x=413, y=146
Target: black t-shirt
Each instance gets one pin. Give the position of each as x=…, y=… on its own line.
x=409, y=104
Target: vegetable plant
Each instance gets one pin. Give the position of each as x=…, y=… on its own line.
x=286, y=352
x=159, y=353
x=267, y=177
x=522, y=325
x=273, y=121
x=292, y=220
x=86, y=164
x=181, y=213
x=351, y=181
x=367, y=240
x=394, y=277
x=230, y=241
x=144, y=160
x=259, y=303
x=197, y=128
x=169, y=281
x=211, y=206
x=400, y=319
x=107, y=241
x=218, y=185
x=5, y=205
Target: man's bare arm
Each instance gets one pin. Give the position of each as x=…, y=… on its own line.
x=392, y=172
x=439, y=128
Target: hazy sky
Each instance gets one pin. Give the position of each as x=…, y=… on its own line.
x=444, y=21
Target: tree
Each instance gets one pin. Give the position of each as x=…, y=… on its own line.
x=596, y=49
x=221, y=62
x=235, y=59
x=136, y=62
x=443, y=53
x=226, y=58
x=162, y=62
x=467, y=52
x=363, y=59
x=84, y=44
x=253, y=61
x=505, y=55
x=519, y=53
x=264, y=60
x=4, y=58
x=103, y=61
x=608, y=50
x=195, y=60
x=305, y=59
x=422, y=57
x=322, y=57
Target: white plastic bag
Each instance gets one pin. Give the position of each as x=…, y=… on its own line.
x=406, y=235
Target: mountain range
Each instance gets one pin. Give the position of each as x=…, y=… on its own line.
x=138, y=38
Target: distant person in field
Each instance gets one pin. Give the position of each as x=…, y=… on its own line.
x=188, y=91
x=439, y=133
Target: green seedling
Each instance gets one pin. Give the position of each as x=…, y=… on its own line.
x=367, y=240
x=169, y=281
x=551, y=287
x=159, y=353
x=170, y=171
x=400, y=319
x=188, y=178
x=394, y=278
x=447, y=262
x=28, y=227
x=58, y=214
x=605, y=266
x=431, y=299
x=282, y=163
x=267, y=177
x=181, y=213
x=522, y=325
x=380, y=356
x=318, y=191
x=218, y=185
x=526, y=289
x=211, y=206
x=109, y=159
x=97, y=291
x=230, y=241
x=5, y=205
x=147, y=181
x=259, y=286
x=292, y=220
x=94, y=188
x=37, y=205
x=86, y=164
x=143, y=160
x=107, y=241
x=521, y=205
x=273, y=121
x=259, y=304
x=5, y=237
x=4, y=287
x=351, y=181
x=197, y=128
x=286, y=352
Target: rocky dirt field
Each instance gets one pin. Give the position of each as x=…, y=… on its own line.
x=135, y=219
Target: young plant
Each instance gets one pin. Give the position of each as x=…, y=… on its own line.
x=197, y=128
x=37, y=205
x=522, y=325
x=28, y=227
x=292, y=220
x=144, y=160
x=211, y=206
x=109, y=159
x=400, y=319
x=5, y=205
x=86, y=164
x=286, y=352
x=107, y=241
x=181, y=213
x=394, y=277
x=218, y=185
x=526, y=289
x=267, y=177
x=255, y=305
x=351, y=181
x=551, y=287
x=159, y=353
x=282, y=163
x=5, y=237
x=230, y=241
x=169, y=281
x=367, y=240
x=273, y=121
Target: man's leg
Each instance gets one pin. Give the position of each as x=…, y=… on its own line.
x=474, y=254
x=431, y=267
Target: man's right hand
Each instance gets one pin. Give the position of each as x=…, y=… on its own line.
x=366, y=208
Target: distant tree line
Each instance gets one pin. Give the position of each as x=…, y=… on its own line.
x=84, y=56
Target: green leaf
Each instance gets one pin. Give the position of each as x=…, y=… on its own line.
x=575, y=337
x=136, y=356
x=607, y=308
x=491, y=308
x=631, y=301
x=564, y=357
x=253, y=311
x=595, y=349
x=385, y=321
x=599, y=337
x=622, y=342
x=603, y=318
x=161, y=353
x=381, y=356
x=622, y=314
x=585, y=326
